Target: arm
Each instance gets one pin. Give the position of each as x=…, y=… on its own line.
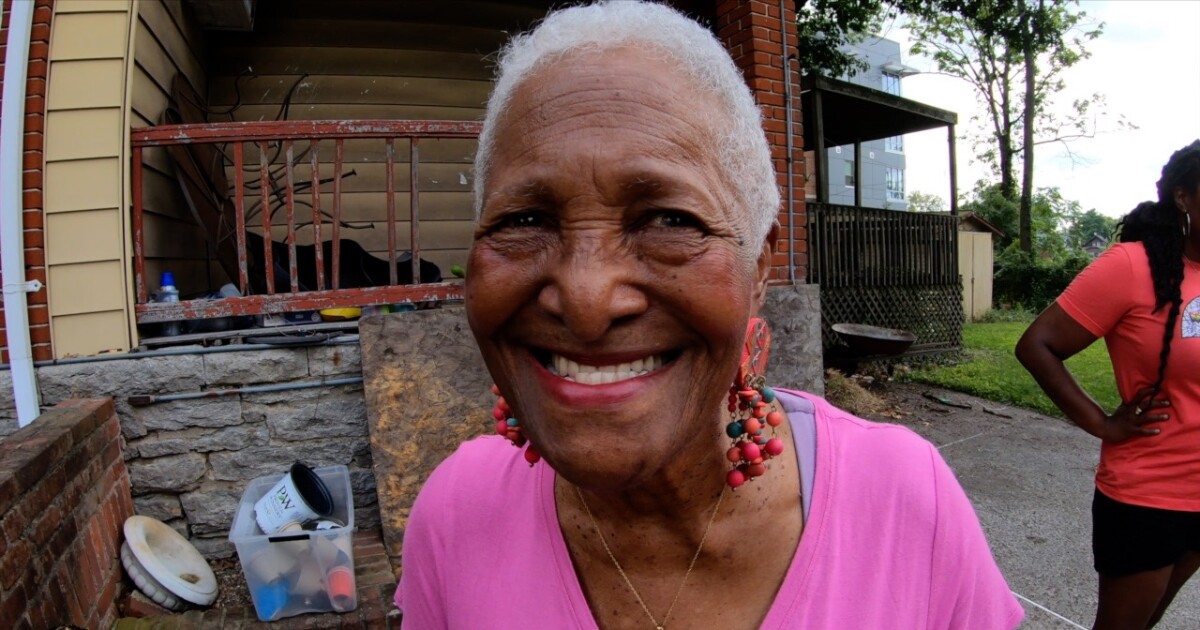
x=1053, y=338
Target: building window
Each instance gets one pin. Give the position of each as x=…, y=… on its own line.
x=891, y=83
x=894, y=179
x=894, y=144
x=849, y=173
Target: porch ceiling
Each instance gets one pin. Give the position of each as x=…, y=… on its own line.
x=854, y=113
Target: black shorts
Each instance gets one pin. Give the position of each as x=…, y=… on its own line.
x=1131, y=538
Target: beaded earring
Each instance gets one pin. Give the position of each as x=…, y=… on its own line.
x=750, y=410
x=508, y=427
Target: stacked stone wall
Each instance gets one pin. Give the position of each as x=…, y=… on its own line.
x=189, y=460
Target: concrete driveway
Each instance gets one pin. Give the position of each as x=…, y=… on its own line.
x=1030, y=479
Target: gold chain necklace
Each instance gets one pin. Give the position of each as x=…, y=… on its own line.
x=691, y=565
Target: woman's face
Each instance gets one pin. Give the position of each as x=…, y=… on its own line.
x=608, y=285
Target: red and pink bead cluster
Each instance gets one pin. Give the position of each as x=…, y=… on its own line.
x=751, y=449
x=507, y=426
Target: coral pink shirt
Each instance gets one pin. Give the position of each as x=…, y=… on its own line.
x=891, y=541
x=1114, y=298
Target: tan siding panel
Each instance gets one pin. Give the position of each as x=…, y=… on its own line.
x=163, y=196
x=434, y=235
x=191, y=31
x=90, y=6
x=158, y=22
x=372, y=177
x=82, y=185
x=149, y=101
x=339, y=111
x=88, y=36
x=83, y=134
x=78, y=237
x=359, y=90
x=90, y=333
x=170, y=238
x=86, y=287
x=361, y=208
x=81, y=84
x=379, y=34
x=363, y=62
x=152, y=59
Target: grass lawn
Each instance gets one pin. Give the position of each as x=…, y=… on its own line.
x=993, y=372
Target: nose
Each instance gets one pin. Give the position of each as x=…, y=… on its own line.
x=592, y=289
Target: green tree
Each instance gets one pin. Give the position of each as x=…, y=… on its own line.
x=1051, y=214
x=925, y=202
x=1082, y=226
x=1013, y=53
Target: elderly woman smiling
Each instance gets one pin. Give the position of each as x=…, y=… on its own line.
x=626, y=221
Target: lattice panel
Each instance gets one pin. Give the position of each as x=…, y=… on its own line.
x=934, y=314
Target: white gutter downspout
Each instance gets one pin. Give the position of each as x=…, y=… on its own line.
x=12, y=245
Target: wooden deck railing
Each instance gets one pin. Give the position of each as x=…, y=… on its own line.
x=887, y=268
x=205, y=154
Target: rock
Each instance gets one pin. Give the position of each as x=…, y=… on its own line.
x=795, y=361
x=131, y=423
x=342, y=358
x=176, y=415
x=172, y=473
x=122, y=377
x=427, y=391
x=210, y=508
x=275, y=459
x=163, y=507
x=175, y=443
x=256, y=366
x=213, y=548
x=308, y=414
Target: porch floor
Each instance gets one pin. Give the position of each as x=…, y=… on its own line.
x=374, y=577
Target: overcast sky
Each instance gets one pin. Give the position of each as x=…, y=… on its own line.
x=1147, y=64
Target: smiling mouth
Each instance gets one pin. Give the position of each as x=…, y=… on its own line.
x=604, y=374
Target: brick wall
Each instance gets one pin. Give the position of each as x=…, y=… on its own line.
x=64, y=497
x=35, y=115
x=752, y=31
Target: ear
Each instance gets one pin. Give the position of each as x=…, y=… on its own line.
x=763, y=269
x=1181, y=198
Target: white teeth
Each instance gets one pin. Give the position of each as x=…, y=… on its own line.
x=603, y=374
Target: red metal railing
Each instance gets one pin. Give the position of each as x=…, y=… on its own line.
x=229, y=207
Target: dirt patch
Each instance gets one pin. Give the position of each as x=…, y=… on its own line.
x=233, y=591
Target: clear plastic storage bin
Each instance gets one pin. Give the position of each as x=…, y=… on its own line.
x=303, y=571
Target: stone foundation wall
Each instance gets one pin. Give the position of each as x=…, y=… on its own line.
x=190, y=460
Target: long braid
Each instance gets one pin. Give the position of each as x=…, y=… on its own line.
x=1157, y=226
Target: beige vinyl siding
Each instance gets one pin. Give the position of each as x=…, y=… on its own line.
x=87, y=276
x=373, y=60
x=168, y=43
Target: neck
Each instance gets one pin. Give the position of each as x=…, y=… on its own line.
x=682, y=492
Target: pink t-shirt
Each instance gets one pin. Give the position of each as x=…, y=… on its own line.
x=1114, y=298
x=891, y=542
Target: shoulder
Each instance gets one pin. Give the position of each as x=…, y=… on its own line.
x=481, y=475
x=887, y=445
x=871, y=459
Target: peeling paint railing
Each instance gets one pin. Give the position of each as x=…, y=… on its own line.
x=225, y=216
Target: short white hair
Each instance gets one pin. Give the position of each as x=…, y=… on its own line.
x=745, y=156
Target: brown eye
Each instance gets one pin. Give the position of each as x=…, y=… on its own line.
x=521, y=220
x=674, y=219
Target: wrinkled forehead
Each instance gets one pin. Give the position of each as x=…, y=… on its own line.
x=635, y=88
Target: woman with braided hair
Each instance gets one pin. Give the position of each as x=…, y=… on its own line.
x=1143, y=297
